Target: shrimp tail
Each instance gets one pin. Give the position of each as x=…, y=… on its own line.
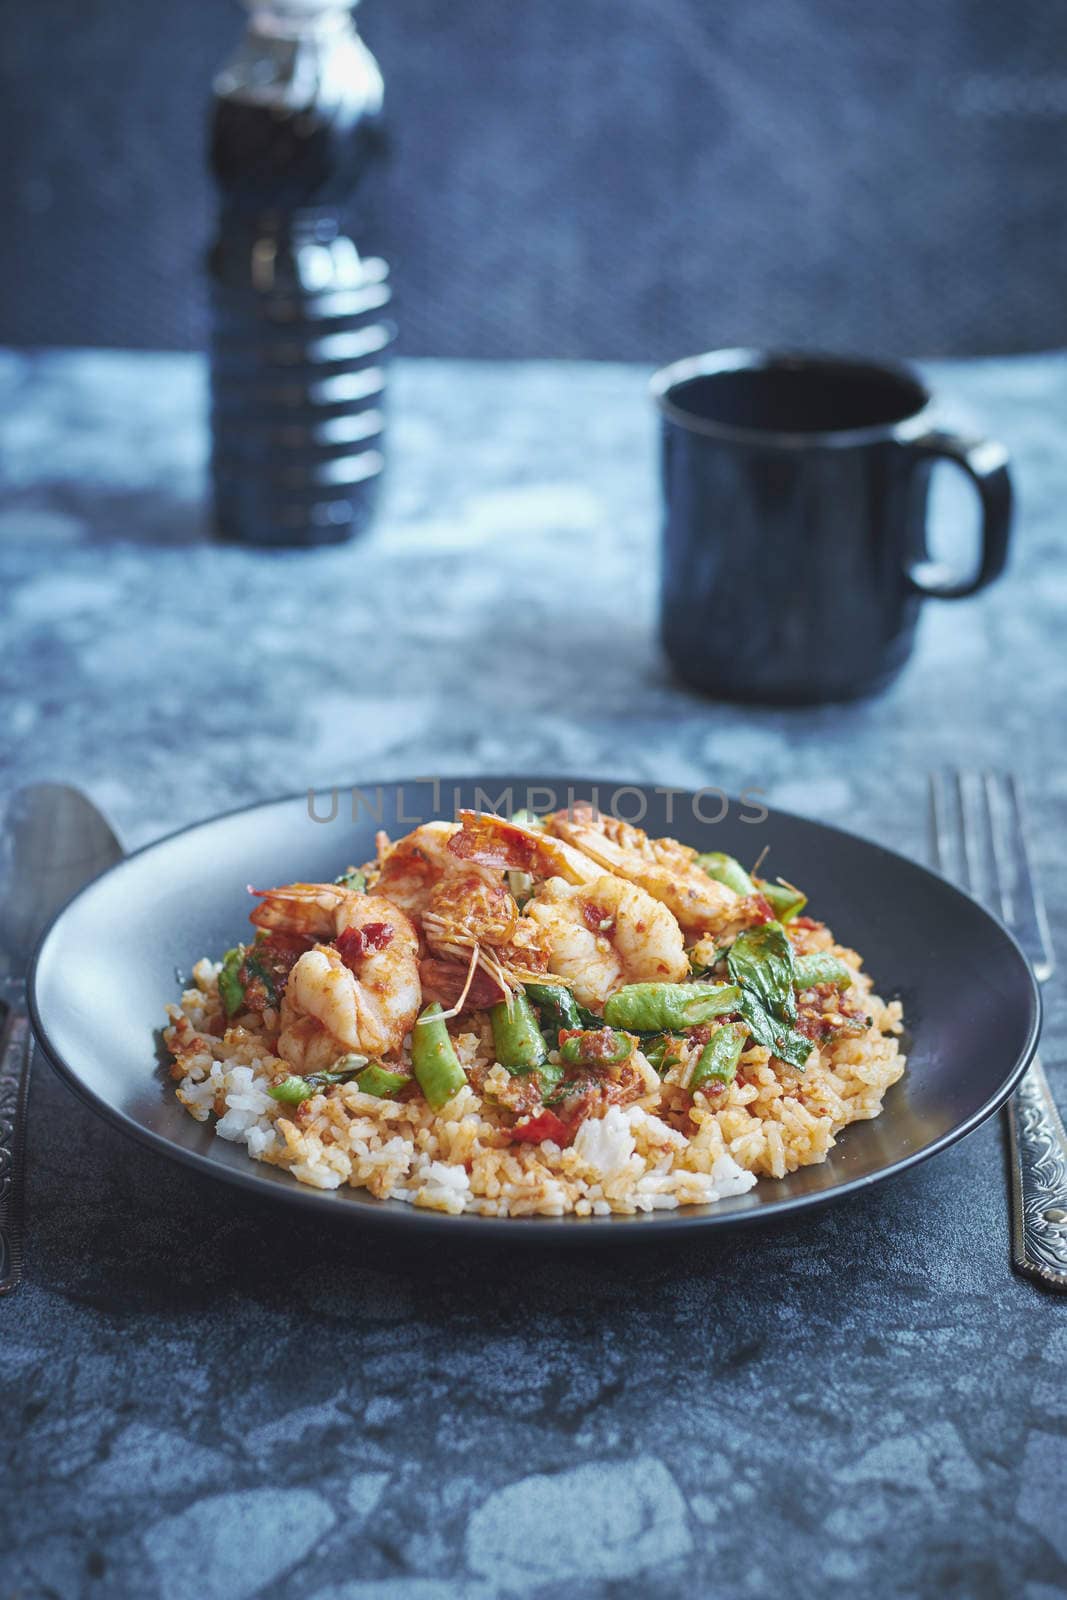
x=305, y=908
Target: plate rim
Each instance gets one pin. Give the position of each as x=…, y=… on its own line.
x=565, y=1229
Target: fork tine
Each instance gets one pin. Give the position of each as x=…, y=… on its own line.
x=943, y=837
x=995, y=787
x=977, y=819
x=1030, y=919
x=958, y=830
x=959, y=810
x=984, y=876
x=937, y=849
x=986, y=838
x=980, y=841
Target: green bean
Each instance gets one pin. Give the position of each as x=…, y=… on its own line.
x=344, y=1067
x=663, y=1052
x=724, y=869
x=291, y=1091
x=820, y=967
x=666, y=1007
x=517, y=1039
x=380, y=1082
x=784, y=899
x=231, y=989
x=434, y=1059
x=720, y=1055
x=551, y=1074
x=602, y=1047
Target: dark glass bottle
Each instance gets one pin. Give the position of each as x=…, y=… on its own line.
x=300, y=330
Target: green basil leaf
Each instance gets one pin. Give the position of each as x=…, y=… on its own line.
x=781, y=1039
x=761, y=960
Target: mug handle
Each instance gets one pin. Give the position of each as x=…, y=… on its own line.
x=986, y=464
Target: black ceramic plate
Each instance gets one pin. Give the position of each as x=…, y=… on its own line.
x=111, y=960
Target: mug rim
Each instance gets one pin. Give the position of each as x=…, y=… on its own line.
x=745, y=358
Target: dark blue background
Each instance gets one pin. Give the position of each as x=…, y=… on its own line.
x=614, y=178
x=866, y=1404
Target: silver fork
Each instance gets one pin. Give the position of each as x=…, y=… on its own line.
x=979, y=839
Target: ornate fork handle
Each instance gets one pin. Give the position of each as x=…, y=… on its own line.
x=1039, y=1181
x=15, y=1052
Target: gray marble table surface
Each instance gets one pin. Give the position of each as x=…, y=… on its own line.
x=205, y=1399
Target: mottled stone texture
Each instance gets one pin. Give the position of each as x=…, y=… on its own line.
x=205, y=1397
x=631, y=179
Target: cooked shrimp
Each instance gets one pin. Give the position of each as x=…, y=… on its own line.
x=465, y=904
x=466, y=912
x=666, y=869
x=315, y=910
x=463, y=908
x=411, y=869
x=600, y=935
x=360, y=992
x=474, y=927
x=492, y=841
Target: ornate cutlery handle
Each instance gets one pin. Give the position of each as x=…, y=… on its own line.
x=1038, y=1181
x=16, y=1048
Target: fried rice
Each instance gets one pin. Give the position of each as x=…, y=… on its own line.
x=661, y=1145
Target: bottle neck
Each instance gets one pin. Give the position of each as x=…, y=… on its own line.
x=294, y=57
x=293, y=19
x=297, y=120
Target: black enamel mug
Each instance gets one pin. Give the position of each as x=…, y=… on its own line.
x=795, y=534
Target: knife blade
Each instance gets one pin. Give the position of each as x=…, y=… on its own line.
x=53, y=840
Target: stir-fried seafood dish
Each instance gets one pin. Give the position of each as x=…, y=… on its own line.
x=546, y=1014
